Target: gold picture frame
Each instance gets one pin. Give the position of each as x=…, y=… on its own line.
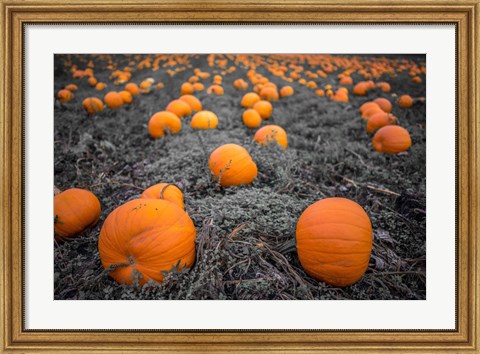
x=464, y=14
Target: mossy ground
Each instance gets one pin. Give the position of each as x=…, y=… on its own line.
x=245, y=234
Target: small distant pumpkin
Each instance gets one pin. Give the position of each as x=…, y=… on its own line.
x=194, y=102
x=92, y=81
x=251, y=118
x=167, y=191
x=65, y=96
x=391, y=139
x=270, y=133
x=132, y=88
x=146, y=237
x=100, y=86
x=113, y=100
x=264, y=108
x=71, y=87
x=249, y=99
x=198, y=86
x=180, y=108
x=405, y=101
x=126, y=97
x=286, y=91
x=186, y=88
x=75, y=210
x=162, y=123
x=334, y=241
x=204, y=120
x=215, y=89
x=92, y=105
x=384, y=104
x=232, y=165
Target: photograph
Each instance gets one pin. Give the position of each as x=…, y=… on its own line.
x=239, y=176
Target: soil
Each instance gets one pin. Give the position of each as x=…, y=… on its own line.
x=245, y=235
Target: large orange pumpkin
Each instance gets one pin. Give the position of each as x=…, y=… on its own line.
x=232, y=165
x=126, y=97
x=264, y=108
x=391, y=139
x=379, y=120
x=92, y=105
x=146, y=237
x=249, y=99
x=187, y=88
x=113, y=100
x=271, y=133
x=204, y=120
x=162, y=123
x=132, y=88
x=251, y=118
x=194, y=102
x=167, y=191
x=179, y=108
x=75, y=210
x=334, y=241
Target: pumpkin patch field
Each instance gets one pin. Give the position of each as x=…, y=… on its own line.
x=239, y=176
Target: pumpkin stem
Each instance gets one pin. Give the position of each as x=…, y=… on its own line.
x=166, y=186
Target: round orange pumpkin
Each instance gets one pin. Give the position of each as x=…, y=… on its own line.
x=71, y=87
x=232, y=165
x=65, y=96
x=334, y=241
x=100, y=86
x=179, y=108
x=75, y=210
x=391, y=139
x=186, y=88
x=216, y=89
x=264, y=108
x=251, y=118
x=92, y=81
x=167, y=191
x=379, y=120
x=204, y=120
x=384, y=104
x=249, y=99
x=126, y=97
x=405, y=101
x=269, y=93
x=367, y=113
x=270, y=133
x=162, y=123
x=146, y=237
x=368, y=105
x=92, y=105
x=132, y=88
x=286, y=91
x=113, y=100
x=194, y=102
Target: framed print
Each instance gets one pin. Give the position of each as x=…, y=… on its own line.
x=276, y=177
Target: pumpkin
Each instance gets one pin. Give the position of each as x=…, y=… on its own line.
x=249, y=99
x=264, y=108
x=405, y=101
x=384, y=104
x=379, y=120
x=216, y=89
x=92, y=105
x=384, y=86
x=179, y=108
x=74, y=210
x=65, y=96
x=198, y=86
x=71, y=87
x=162, y=123
x=286, y=91
x=417, y=79
x=232, y=165
x=251, y=118
x=204, y=120
x=360, y=89
x=391, y=139
x=132, y=88
x=166, y=191
x=346, y=81
x=186, y=88
x=269, y=93
x=240, y=84
x=269, y=133
x=100, y=86
x=367, y=113
x=368, y=105
x=146, y=237
x=126, y=97
x=334, y=241
x=113, y=100
x=92, y=81
x=320, y=92
x=193, y=102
